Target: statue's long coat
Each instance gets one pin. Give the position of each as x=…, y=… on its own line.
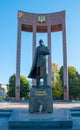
x=39, y=61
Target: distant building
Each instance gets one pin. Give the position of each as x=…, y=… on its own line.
x=30, y=83
x=3, y=90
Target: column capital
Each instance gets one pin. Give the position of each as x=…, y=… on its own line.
x=34, y=28
x=49, y=28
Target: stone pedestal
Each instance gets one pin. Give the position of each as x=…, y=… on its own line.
x=41, y=99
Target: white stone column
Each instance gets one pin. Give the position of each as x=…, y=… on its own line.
x=17, y=89
x=33, y=49
x=49, y=57
x=65, y=69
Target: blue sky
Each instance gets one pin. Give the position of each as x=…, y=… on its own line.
x=8, y=34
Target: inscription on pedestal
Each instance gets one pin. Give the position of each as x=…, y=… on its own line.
x=41, y=100
x=41, y=93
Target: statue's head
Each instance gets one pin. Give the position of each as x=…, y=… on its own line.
x=41, y=42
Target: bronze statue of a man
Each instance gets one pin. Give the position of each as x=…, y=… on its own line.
x=38, y=69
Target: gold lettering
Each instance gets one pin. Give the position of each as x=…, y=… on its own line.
x=41, y=93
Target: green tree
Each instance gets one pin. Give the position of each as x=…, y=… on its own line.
x=61, y=75
x=57, y=89
x=11, y=86
x=24, y=86
x=73, y=81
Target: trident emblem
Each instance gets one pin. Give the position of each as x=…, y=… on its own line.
x=41, y=19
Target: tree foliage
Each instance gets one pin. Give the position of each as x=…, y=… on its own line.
x=73, y=82
x=24, y=86
x=11, y=86
x=57, y=89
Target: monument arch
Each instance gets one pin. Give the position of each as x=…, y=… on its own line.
x=52, y=22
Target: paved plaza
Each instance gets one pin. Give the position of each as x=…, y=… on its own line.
x=61, y=106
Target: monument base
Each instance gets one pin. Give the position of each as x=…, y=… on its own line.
x=21, y=119
x=40, y=99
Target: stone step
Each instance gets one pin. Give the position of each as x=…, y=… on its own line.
x=77, y=114
x=40, y=124
x=75, y=109
x=3, y=114
x=6, y=110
